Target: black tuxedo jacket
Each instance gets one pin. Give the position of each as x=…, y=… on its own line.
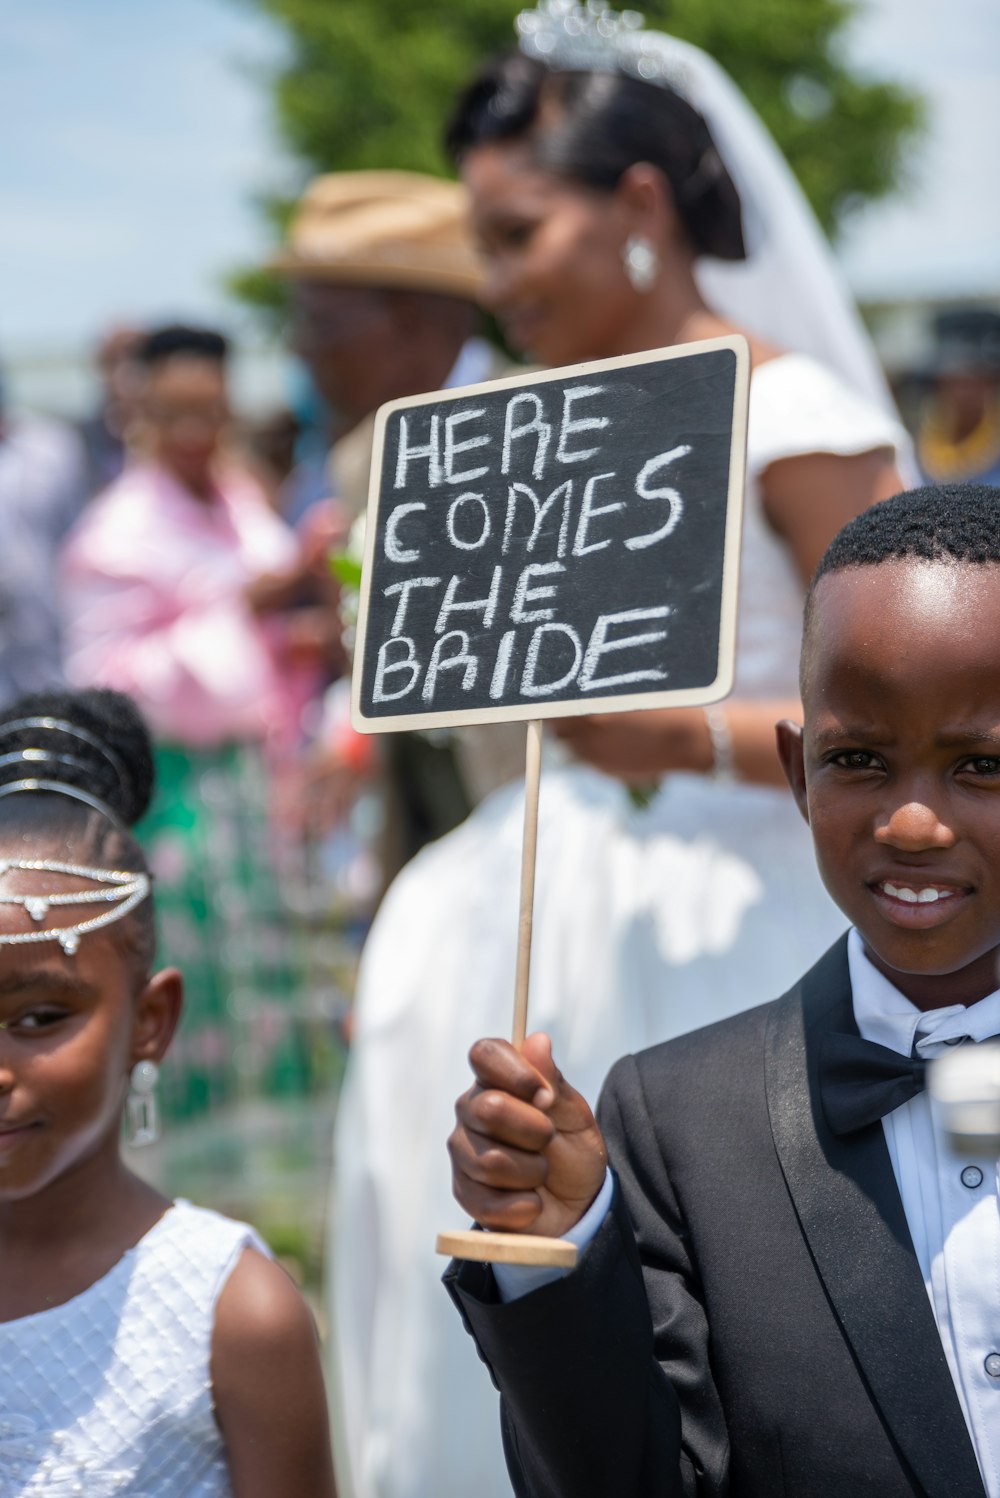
x=750, y=1319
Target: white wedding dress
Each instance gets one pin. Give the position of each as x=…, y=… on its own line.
x=648, y=923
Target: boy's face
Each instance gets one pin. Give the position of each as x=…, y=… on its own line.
x=897, y=769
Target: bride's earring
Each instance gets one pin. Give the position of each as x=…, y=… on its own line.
x=142, y=1121
x=641, y=262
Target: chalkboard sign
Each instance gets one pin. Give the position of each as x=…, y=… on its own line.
x=557, y=543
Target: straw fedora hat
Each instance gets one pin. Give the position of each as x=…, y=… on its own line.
x=400, y=229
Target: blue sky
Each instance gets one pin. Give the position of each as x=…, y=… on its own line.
x=141, y=136
x=137, y=131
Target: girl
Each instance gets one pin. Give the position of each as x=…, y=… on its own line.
x=147, y=1347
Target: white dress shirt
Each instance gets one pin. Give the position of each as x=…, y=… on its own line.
x=951, y=1202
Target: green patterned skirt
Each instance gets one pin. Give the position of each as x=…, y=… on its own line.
x=222, y=920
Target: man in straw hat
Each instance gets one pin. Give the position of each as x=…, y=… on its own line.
x=384, y=281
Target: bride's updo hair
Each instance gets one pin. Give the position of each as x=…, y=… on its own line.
x=589, y=128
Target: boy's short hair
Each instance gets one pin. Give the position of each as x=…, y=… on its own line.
x=938, y=523
x=933, y=524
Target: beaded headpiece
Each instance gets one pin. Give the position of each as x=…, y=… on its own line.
x=120, y=890
x=593, y=38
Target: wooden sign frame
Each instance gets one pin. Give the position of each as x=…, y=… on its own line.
x=520, y=711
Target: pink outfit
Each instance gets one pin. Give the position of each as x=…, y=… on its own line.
x=152, y=594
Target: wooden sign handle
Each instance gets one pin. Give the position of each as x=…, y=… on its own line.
x=518, y=1248
x=529, y=846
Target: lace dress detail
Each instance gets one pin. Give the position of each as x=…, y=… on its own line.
x=110, y=1395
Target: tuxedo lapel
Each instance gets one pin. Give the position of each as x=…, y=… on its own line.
x=849, y=1209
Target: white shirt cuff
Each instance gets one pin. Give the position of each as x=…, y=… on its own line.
x=515, y=1280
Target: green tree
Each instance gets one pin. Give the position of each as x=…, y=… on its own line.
x=367, y=83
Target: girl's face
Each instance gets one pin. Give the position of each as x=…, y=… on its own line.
x=553, y=253
x=71, y=1029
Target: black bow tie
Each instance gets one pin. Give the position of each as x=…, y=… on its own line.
x=861, y=1081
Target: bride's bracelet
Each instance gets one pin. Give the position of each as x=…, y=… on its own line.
x=723, y=754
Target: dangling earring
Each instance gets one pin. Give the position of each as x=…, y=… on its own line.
x=142, y=1121
x=641, y=262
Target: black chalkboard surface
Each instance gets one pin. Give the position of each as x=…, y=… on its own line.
x=557, y=543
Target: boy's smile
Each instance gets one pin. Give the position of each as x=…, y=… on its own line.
x=898, y=767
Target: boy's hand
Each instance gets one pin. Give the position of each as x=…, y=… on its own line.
x=527, y=1155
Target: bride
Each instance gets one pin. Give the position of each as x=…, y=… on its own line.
x=625, y=198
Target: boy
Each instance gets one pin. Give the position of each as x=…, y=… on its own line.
x=790, y=1285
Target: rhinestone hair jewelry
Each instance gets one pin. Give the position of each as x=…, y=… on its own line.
x=73, y=731
x=593, y=38
x=123, y=890
x=61, y=788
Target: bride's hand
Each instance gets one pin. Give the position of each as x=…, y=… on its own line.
x=640, y=746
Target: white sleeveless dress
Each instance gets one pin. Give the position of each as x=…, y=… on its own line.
x=647, y=924
x=110, y=1395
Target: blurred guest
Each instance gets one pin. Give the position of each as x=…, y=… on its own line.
x=179, y=586
x=309, y=478
x=958, y=439
x=268, y=445
x=383, y=283
x=42, y=487
x=104, y=432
